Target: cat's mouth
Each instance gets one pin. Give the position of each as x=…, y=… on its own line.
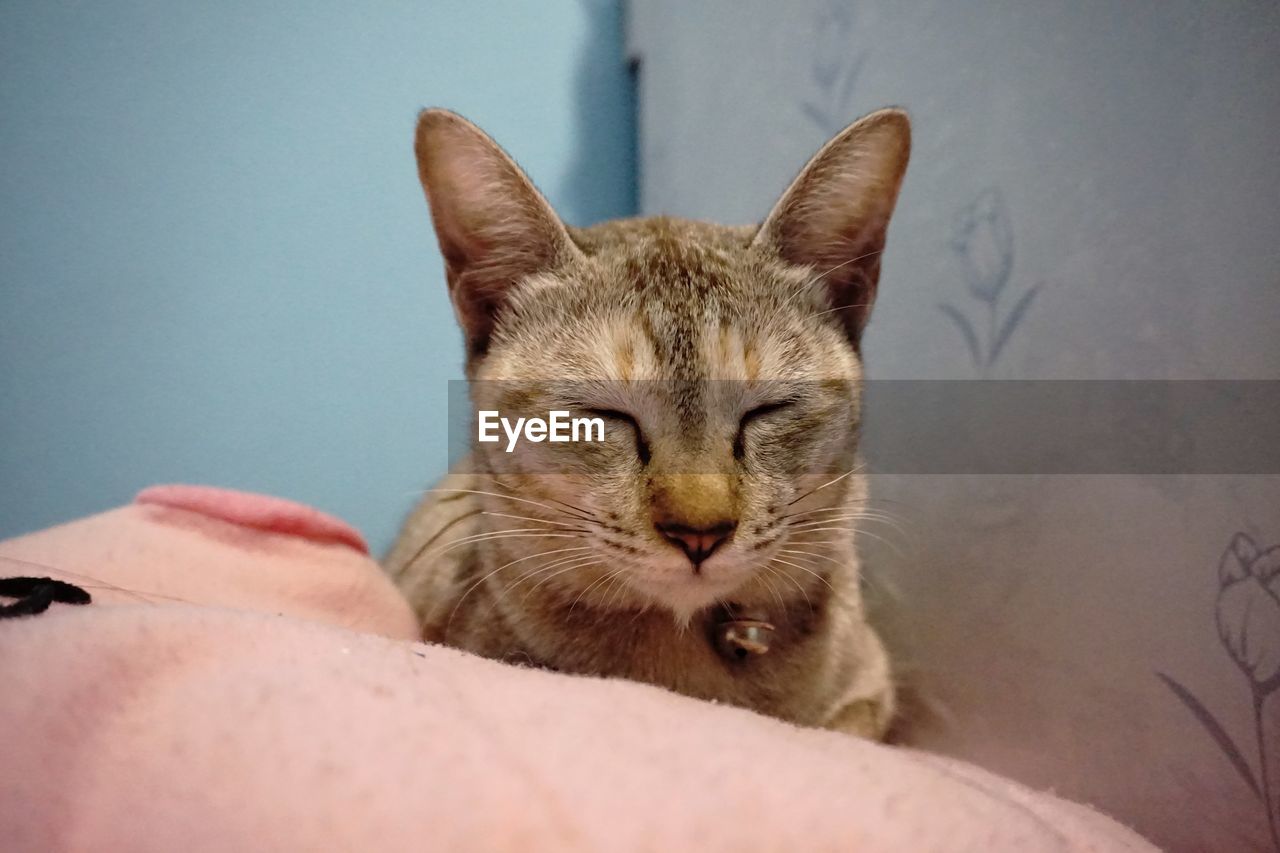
x=684, y=591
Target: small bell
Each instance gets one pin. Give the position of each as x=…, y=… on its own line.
x=739, y=639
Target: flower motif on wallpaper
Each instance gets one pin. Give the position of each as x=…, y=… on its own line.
x=835, y=68
x=1248, y=617
x=982, y=241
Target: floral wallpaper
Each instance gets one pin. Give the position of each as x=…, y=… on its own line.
x=1248, y=619
x=837, y=59
x=1093, y=196
x=982, y=240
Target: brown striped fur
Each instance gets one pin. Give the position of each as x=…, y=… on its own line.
x=556, y=555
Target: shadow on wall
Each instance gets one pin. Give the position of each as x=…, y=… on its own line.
x=599, y=184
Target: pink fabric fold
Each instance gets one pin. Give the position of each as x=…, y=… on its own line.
x=258, y=511
x=244, y=682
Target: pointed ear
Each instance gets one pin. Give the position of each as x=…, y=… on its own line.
x=834, y=216
x=494, y=227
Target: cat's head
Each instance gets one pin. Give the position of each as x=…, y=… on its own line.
x=724, y=360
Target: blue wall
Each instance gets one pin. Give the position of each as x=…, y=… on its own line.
x=216, y=264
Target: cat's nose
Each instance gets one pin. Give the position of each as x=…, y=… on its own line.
x=698, y=543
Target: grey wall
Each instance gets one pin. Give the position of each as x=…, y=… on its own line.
x=215, y=261
x=1094, y=194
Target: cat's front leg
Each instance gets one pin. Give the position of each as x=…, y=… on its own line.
x=868, y=702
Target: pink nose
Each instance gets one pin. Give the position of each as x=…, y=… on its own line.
x=698, y=543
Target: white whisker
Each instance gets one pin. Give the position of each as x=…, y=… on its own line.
x=803, y=569
x=764, y=578
x=827, y=557
x=548, y=507
x=832, y=482
x=579, y=562
x=798, y=586
x=529, y=518
x=489, y=536
x=593, y=585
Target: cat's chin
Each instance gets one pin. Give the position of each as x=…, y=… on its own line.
x=683, y=598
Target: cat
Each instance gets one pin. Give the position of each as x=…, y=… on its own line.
x=707, y=544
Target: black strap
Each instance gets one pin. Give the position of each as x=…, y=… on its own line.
x=34, y=595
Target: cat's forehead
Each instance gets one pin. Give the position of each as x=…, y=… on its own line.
x=664, y=298
x=667, y=256
x=663, y=233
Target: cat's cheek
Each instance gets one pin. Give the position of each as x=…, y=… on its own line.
x=599, y=460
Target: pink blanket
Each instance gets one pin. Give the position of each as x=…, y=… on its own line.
x=247, y=679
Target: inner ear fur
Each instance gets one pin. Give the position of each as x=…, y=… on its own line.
x=835, y=215
x=494, y=227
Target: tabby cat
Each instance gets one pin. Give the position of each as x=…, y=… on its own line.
x=707, y=544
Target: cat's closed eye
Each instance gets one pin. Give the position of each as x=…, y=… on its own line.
x=766, y=410
x=755, y=415
x=642, y=446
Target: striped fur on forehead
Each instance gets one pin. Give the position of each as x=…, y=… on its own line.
x=672, y=299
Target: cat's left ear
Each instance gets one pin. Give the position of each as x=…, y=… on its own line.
x=834, y=216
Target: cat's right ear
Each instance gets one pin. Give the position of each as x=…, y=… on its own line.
x=494, y=227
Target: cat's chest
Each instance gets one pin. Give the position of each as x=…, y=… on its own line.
x=696, y=660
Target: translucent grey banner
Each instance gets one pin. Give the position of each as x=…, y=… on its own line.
x=1140, y=427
